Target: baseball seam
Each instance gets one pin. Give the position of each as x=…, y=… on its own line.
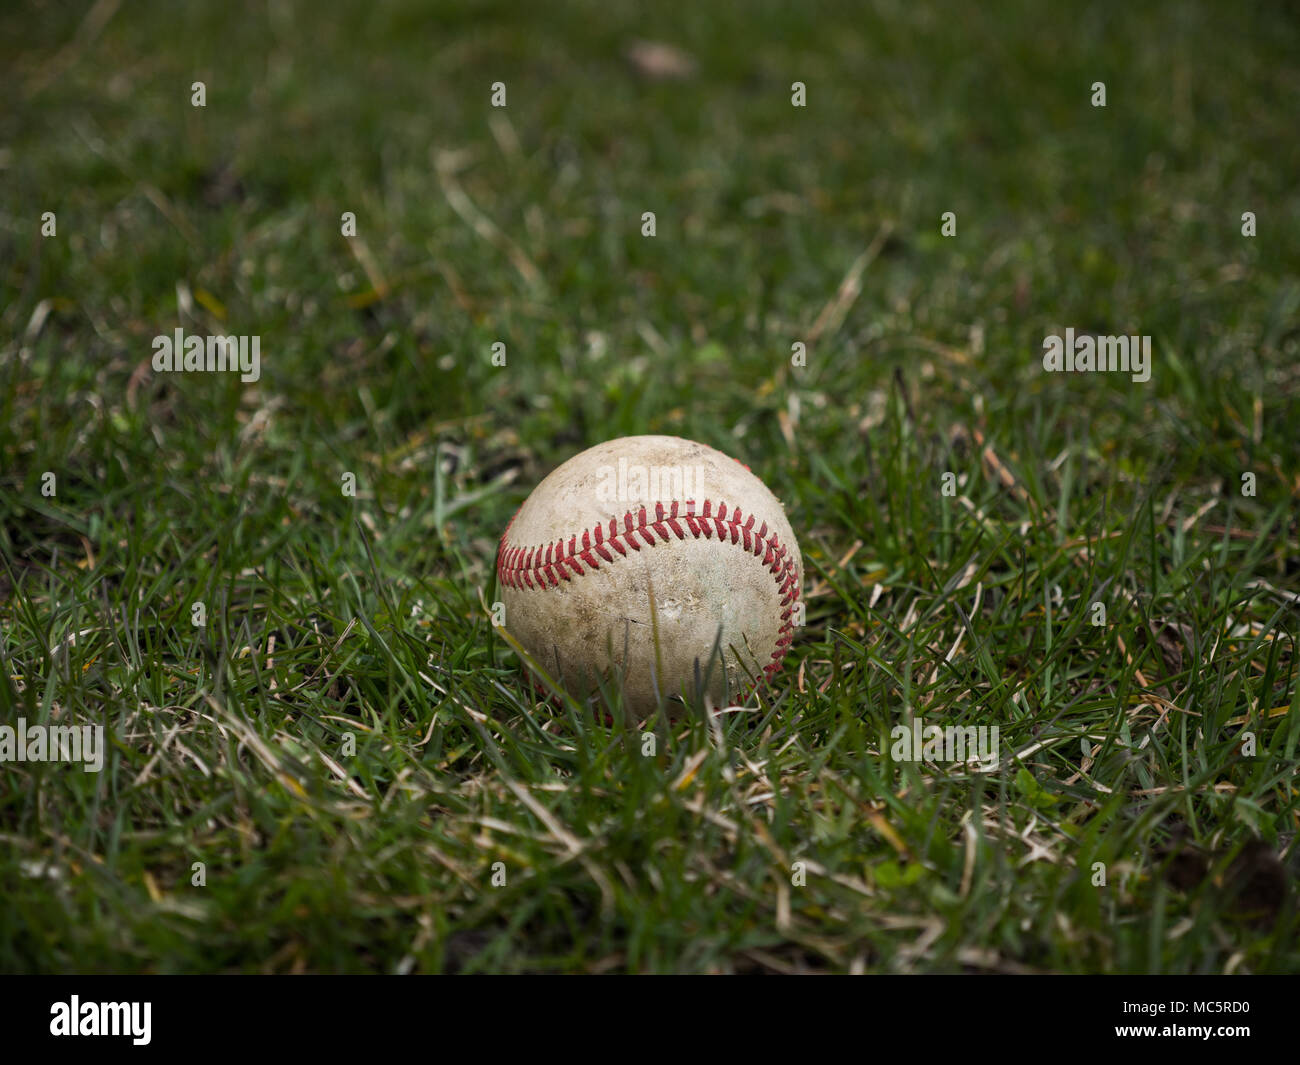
x=540, y=568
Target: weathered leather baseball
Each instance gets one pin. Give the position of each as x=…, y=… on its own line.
x=647, y=516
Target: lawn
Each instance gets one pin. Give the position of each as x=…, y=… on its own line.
x=275, y=595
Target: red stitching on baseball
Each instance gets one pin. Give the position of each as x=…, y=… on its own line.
x=517, y=566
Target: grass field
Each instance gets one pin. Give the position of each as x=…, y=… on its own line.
x=341, y=768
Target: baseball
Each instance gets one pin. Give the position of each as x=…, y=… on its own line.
x=651, y=561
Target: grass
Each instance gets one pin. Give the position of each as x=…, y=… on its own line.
x=345, y=750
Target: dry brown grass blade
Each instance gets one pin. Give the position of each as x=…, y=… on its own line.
x=482, y=225
x=66, y=57
x=850, y=287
